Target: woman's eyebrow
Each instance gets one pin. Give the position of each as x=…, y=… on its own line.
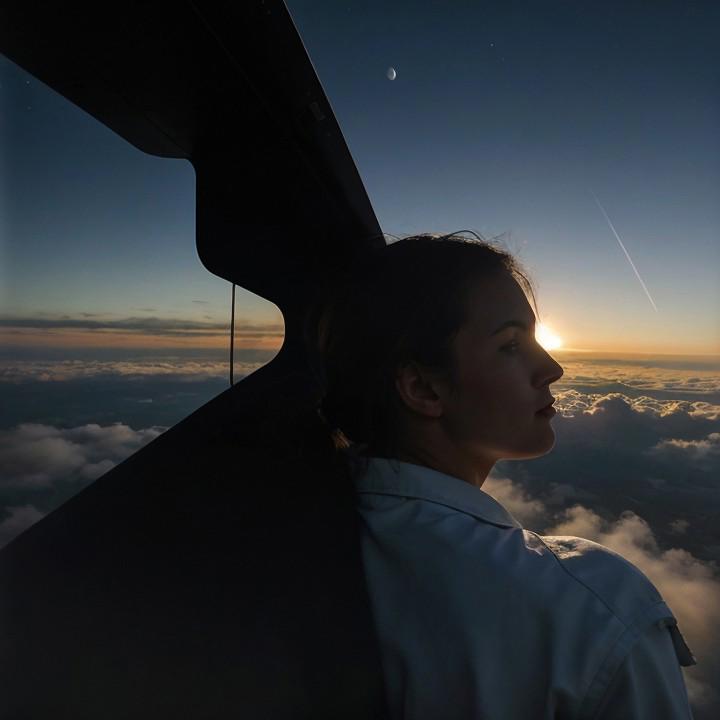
x=513, y=323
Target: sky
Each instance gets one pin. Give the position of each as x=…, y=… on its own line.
x=543, y=124
x=549, y=126
x=508, y=117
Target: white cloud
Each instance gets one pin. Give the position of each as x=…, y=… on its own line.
x=36, y=456
x=679, y=526
x=573, y=402
x=528, y=511
x=643, y=438
x=704, y=452
x=18, y=519
x=177, y=368
x=683, y=375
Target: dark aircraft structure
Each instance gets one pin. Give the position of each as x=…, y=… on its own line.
x=217, y=572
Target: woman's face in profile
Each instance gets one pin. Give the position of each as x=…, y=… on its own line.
x=502, y=377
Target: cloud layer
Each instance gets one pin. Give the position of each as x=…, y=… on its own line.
x=685, y=375
x=188, y=369
x=36, y=456
x=16, y=520
x=573, y=402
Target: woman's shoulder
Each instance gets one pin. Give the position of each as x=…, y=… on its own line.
x=583, y=589
x=594, y=569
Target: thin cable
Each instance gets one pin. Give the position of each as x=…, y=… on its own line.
x=232, y=333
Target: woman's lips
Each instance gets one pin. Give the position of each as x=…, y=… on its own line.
x=548, y=411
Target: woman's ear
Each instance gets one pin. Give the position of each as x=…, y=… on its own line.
x=420, y=390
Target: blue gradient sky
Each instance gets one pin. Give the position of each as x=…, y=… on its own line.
x=502, y=120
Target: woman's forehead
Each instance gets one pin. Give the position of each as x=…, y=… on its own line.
x=498, y=301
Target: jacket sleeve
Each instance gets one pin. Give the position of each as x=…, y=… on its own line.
x=649, y=684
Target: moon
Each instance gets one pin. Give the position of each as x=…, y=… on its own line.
x=391, y=74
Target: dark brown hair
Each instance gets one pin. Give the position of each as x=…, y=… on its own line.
x=403, y=303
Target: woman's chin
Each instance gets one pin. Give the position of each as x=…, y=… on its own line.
x=548, y=444
x=531, y=450
x=541, y=444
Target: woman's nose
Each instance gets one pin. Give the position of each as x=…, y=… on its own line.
x=557, y=371
x=549, y=370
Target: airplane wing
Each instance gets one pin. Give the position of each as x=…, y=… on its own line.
x=217, y=572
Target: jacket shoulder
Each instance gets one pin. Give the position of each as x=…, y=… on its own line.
x=619, y=584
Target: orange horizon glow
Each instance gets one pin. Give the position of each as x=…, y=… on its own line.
x=58, y=338
x=266, y=339
x=78, y=339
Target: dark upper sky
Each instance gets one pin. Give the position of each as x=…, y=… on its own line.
x=505, y=118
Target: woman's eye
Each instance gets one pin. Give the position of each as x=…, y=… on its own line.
x=511, y=347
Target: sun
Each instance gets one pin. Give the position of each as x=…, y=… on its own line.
x=547, y=338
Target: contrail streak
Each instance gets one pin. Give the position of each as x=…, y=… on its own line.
x=627, y=254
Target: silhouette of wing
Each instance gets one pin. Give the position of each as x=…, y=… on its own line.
x=216, y=573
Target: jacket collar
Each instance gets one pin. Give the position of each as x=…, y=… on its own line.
x=388, y=476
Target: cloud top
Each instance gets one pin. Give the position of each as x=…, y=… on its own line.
x=16, y=520
x=36, y=456
x=682, y=375
x=191, y=369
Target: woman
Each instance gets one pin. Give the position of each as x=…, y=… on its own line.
x=433, y=374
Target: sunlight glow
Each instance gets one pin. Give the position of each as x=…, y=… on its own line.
x=547, y=338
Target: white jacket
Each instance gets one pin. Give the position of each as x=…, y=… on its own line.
x=479, y=618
